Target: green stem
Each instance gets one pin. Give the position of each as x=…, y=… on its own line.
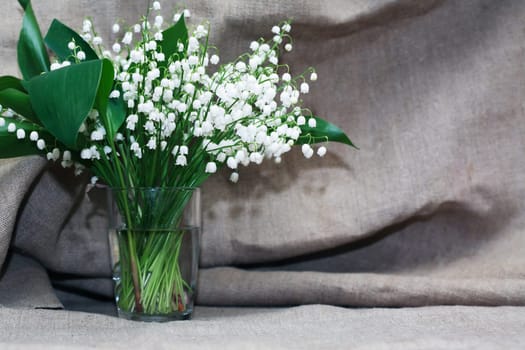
x=132, y=251
x=157, y=253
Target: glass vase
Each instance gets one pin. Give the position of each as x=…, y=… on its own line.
x=154, y=242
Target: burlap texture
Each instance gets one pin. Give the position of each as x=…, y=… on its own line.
x=303, y=327
x=428, y=211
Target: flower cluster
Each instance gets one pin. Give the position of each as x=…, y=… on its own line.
x=186, y=115
x=244, y=112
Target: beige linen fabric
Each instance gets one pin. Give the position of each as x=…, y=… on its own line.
x=430, y=210
x=303, y=327
x=16, y=176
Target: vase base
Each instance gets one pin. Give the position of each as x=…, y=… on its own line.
x=174, y=316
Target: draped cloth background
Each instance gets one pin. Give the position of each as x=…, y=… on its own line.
x=429, y=211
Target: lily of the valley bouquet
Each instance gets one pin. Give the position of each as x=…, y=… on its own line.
x=152, y=116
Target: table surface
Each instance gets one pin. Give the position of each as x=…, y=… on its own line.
x=302, y=327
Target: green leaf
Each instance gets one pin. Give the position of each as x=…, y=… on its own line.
x=11, y=146
x=9, y=82
x=19, y=102
x=58, y=37
x=323, y=132
x=14, y=96
x=112, y=111
x=116, y=113
x=172, y=36
x=63, y=98
x=32, y=54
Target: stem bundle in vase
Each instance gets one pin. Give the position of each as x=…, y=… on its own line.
x=152, y=116
x=150, y=278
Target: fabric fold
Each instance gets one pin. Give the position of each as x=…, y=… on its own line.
x=231, y=286
x=25, y=284
x=17, y=176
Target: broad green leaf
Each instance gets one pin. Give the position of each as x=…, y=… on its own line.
x=58, y=37
x=19, y=102
x=112, y=111
x=32, y=54
x=116, y=113
x=323, y=132
x=9, y=82
x=63, y=98
x=11, y=146
x=172, y=36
